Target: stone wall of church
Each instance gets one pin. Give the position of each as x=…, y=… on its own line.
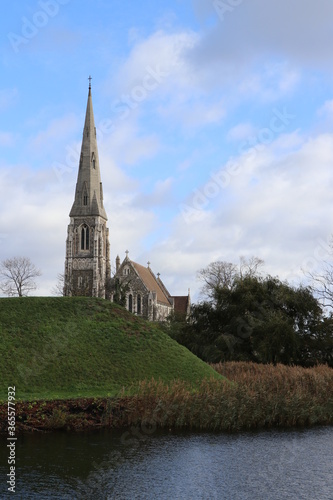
x=139, y=300
x=87, y=265
x=140, y=296
x=82, y=282
x=137, y=296
x=162, y=311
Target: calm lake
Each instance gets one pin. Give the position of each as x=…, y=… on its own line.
x=145, y=463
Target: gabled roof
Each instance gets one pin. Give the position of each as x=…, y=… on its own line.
x=150, y=281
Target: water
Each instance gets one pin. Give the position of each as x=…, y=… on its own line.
x=147, y=464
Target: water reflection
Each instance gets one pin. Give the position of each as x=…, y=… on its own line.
x=147, y=464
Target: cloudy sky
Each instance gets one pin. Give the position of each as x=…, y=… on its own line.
x=214, y=127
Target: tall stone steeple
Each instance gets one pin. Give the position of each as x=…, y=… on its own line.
x=89, y=194
x=87, y=266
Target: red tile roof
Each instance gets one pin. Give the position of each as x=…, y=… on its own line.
x=149, y=279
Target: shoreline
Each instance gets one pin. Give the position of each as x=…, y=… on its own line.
x=250, y=397
x=91, y=414
x=214, y=407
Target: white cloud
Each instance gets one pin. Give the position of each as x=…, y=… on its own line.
x=241, y=132
x=194, y=114
x=126, y=145
x=58, y=130
x=161, y=195
x=326, y=109
x=276, y=210
x=153, y=61
x=272, y=82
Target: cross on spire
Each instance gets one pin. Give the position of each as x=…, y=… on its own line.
x=89, y=81
x=127, y=252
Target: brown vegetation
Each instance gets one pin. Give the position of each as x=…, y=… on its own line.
x=258, y=396
x=261, y=396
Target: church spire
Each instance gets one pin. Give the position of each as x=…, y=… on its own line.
x=89, y=192
x=87, y=264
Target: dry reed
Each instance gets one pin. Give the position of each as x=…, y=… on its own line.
x=258, y=396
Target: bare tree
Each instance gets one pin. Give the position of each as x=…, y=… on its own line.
x=222, y=274
x=17, y=276
x=215, y=275
x=58, y=289
x=321, y=279
x=250, y=267
x=322, y=284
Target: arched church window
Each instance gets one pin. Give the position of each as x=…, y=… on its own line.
x=93, y=160
x=85, y=237
x=130, y=302
x=139, y=304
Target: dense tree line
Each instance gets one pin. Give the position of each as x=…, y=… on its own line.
x=249, y=317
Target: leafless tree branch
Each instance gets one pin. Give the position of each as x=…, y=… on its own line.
x=17, y=276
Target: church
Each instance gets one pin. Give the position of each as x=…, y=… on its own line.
x=87, y=264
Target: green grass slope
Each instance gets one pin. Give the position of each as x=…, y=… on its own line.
x=60, y=347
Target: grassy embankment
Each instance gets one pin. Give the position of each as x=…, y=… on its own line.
x=54, y=348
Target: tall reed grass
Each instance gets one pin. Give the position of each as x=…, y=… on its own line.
x=255, y=396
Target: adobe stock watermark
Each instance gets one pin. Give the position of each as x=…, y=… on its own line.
x=31, y=27
x=121, y=110
x=194, y=210
x=223, y=7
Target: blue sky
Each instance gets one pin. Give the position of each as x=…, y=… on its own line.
x=215, y=131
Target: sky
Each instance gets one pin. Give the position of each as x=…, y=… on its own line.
x=214, y=122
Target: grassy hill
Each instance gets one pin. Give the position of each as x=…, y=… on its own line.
x=61, y=347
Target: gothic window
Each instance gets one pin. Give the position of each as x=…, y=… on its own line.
x=93, y=160
x=130, y=302
x=139, y=304
x=85, y=237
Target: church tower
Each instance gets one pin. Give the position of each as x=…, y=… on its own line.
x=87, y=266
